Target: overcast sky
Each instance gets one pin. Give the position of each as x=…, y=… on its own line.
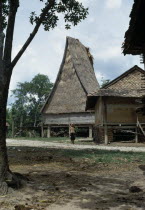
x=103, y=32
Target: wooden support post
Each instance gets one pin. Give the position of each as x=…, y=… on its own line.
x=136, y=135
x=106, y=134
x=48, y=132
x=69, y=130
x=105, y=123
x=90, y=131
x=42, y=131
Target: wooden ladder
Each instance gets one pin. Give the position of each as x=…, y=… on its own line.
x=140, y=126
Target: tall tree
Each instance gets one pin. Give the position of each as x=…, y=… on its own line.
x=73, y=12
x=29, y=99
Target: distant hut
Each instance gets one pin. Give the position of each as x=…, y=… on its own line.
x=76, y=78
x=116, y=108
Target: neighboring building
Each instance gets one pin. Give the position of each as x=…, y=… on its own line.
x=135, y=35
x=115, y=107
x=134, y=43
x=67, y=101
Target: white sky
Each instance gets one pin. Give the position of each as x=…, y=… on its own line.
x=103, y=32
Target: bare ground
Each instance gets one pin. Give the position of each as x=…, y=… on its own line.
x=59, y=182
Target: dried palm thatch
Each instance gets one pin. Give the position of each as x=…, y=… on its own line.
x=135, y=36
x=76, y=78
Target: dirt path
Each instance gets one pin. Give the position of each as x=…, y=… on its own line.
x=29, y=143
x=58, y=181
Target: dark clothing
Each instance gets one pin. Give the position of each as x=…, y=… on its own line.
x=72, y=136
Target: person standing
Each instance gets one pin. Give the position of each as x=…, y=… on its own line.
x=72, y=133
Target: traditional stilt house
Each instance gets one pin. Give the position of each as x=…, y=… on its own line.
x=115, y=107
x=67, y=101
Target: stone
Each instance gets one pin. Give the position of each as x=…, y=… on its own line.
x=83, y=189
x=68, y=174
x=135, y=189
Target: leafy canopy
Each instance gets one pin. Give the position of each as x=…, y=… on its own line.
x=74, y=12
x=29, y=99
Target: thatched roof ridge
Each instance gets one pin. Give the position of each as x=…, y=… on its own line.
x=134, y=68
x=135, y=35
x=84, y=73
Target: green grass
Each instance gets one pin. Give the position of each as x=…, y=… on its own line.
x=102, y=156
x=43, y=139
x=90, y=155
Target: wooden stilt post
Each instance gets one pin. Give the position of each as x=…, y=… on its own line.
x=42, y=131
x=136, y=135
x=90, y=131
x=106, y=134
x=49, y=132
x=105, y=123
x=136, y=130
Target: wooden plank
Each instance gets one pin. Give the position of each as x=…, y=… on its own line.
x=66, y=119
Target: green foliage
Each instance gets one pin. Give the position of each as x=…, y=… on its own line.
x=73, y=11
x=30, y=96
x=104, y=82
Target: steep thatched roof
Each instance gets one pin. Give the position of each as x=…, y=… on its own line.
x=135, y=36
x=76, y=78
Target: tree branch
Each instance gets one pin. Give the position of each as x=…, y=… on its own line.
x=34, y=32
x=14, y=4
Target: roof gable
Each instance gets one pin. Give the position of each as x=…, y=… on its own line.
x=131, y=79
x=76, y=78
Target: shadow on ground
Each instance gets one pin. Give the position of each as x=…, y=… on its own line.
x=63, y=180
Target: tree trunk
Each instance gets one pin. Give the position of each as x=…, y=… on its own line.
x=7, y=178
x=4, y=166
x=35, y=120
